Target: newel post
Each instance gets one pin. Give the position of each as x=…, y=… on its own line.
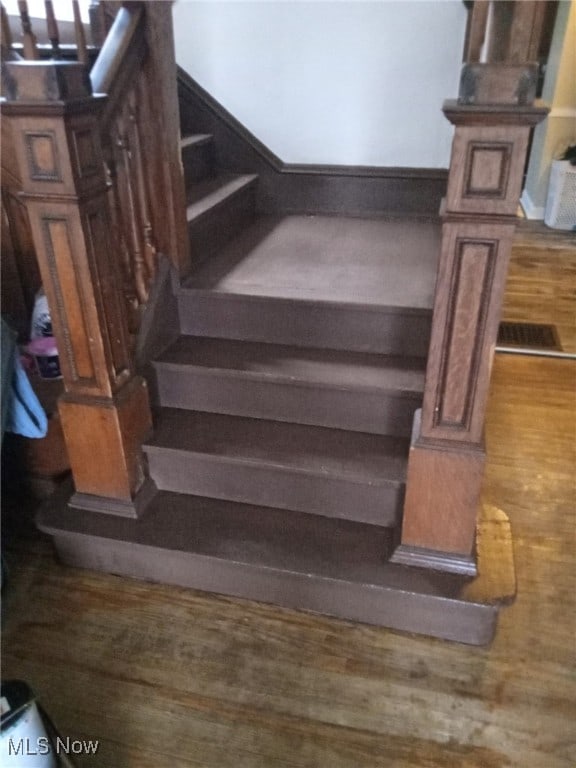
x=492, y=118
x=105, y=411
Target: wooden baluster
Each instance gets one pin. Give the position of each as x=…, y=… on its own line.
x=119, y=210
x=52, y=29
x=132, y=213
x=97, y=22
x=119, y=229
x=6, y=39
x=28, y=36
x=79, y=33
x=477, y=30
x=149, y=246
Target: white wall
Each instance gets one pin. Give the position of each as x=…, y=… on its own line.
x=354, y=83
x=559, y=129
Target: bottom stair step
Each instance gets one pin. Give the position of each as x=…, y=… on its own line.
x=291, y=559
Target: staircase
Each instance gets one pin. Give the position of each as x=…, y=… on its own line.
x=301, y=319
x=300, y=364
x=283, y=414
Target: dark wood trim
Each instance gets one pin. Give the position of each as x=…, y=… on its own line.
x=308, y=188
x=133, y=508
x=188, y=84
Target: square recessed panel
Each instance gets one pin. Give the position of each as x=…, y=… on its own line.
x=487, y=170
x=42, y=156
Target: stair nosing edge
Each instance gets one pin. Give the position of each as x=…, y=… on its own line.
x=270, y=378
x=191, y=218
x=342, y=477
x=211, y=293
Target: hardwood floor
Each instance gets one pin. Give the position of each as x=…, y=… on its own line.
x=172, y=678
x=541, y=285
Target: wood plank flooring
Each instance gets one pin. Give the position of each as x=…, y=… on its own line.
x=541, y=286
x=172, y=678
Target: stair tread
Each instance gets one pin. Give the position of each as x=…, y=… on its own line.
x=336, y=369
x=371, y=262
x=356, y=456
x=210, y=193
x=196, y=139
x=278, y=540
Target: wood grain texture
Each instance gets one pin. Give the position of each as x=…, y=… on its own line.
x=105, y=412
x=488, y=155
x=103, y=438
x=469, y=294
x=486, y=169
x=442, y=496
x=168, y=677
x=541, y=283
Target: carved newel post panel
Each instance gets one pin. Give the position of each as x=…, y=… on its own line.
x=105, y=411
x=492, y=120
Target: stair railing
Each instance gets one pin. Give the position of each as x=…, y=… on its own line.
x=98, y=154
x=493, y=117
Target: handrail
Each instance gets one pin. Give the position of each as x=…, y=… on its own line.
x=117, y=44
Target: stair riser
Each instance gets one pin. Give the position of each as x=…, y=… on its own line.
x=269, y=486
x=221, y=224
x=399, y=609
x=198, y=161
x=304, y=324
x=358, y=410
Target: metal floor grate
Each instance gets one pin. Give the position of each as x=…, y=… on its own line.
x=528, y=336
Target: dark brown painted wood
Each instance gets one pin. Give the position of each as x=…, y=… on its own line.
x=343, y=390
x=329, y=472
x=280, y=557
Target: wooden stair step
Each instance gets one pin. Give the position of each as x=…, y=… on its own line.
x=198, y=157
x=208, y=195
x=319, y=281
x=331, y=388
x=336, y=567
x=218, y=210
x=196, y=140
x=322, y=471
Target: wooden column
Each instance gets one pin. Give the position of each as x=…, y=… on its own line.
x=105, y=412
x=447, y=454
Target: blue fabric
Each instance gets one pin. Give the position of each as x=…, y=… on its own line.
x=21, y=410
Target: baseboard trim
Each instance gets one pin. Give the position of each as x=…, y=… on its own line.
x=531, y=211
x=308, y=188
x=118, y=507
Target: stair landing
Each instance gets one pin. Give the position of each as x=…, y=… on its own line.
x=377, y=262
